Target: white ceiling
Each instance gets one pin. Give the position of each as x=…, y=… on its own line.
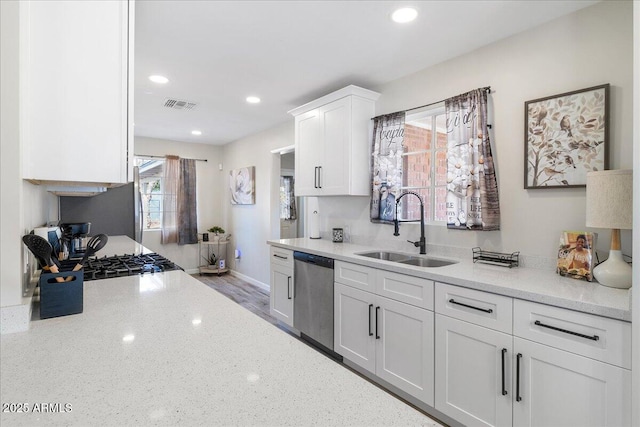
x=216, y=53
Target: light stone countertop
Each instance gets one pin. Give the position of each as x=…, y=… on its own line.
x=529, y=284
x=165, y=349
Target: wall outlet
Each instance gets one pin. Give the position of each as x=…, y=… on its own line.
x=238, y=254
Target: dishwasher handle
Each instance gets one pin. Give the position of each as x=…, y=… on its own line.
x=318, y=260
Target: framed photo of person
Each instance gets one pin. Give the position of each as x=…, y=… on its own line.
x=576, y=255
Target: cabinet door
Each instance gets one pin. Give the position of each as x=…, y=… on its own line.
x=281, y=297
x=404, y=350
x=353, y=333
x=558, y=388
x=75, y=103
x=308, y=157
x=472, y=385
x=335, y=122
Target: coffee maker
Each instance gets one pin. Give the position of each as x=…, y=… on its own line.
x=75, y=236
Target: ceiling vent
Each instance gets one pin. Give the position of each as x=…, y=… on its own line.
x=179, y=104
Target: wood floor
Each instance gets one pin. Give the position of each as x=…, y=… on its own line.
x=251, y=297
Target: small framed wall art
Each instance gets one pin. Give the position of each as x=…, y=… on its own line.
x=566, y=136
x=242, y=186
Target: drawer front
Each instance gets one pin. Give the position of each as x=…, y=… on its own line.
x=599, y=338
x=477, y=307
x=283, y=257
x=355, y=275
x=400, y=287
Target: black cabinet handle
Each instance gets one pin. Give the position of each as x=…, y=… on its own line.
x=486, y=310
x=370, y=331
x=288, y=287
x=319, y=176
x=589, y=337
x=504, y=390
x=280, y=256
x=315, y=177
x=377, y=309
x=518, y=397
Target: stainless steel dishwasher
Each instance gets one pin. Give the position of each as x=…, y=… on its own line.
x=313, y=298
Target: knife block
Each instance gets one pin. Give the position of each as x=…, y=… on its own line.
x=61, y=298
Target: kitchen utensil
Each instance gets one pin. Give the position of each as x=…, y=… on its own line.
x=96, y=243
x=42, y=249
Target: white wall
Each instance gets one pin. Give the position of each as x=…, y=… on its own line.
x=23, y=205
x=252, y=225
x=587, y=48
x=209, y=194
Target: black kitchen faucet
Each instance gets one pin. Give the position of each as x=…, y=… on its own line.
x=422, y=243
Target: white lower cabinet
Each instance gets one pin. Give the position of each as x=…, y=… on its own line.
x=473, y=373
x=391, y=339
x=545, y=378
x=557, y=388
x=281, y=285
x=484, y=359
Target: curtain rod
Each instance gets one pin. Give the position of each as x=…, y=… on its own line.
x=162, y=157
x=487, y=88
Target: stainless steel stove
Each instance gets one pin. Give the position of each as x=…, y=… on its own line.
x=127, y=265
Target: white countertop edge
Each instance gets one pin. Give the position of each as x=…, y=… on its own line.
x=529, y=284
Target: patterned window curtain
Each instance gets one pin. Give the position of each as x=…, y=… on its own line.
x=386, y=166
x=287, y=199
x=472, y=189
x=169, y=200
x=187, y=219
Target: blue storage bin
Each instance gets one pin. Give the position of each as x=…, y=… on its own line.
x=61, y=298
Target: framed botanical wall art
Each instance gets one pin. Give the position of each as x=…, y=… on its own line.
x=566, y=136
x=242, y=186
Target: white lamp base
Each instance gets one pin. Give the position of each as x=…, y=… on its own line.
x=614, y=272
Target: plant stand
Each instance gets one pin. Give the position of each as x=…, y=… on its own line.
x=217, y=246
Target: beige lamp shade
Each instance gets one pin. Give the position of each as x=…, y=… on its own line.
x=610, y=199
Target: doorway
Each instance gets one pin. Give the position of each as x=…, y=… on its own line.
x=287, y=218
x=290, y=204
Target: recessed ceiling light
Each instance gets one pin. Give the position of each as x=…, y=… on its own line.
x=159, y=79
x=253, y=99
x=196, y=132
x=406, y=14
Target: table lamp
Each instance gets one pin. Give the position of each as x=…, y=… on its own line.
x=609, y=205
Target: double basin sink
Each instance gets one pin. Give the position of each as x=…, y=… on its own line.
x=401, y=258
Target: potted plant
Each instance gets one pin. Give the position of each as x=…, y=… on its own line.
x=217, y=231
x=213, y=260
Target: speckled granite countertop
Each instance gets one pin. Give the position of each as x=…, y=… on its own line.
x=530, y=284
x=165, y=349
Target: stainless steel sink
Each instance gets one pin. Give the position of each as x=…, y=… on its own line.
x=386, y=256
x=427, y=262
x=407, y=259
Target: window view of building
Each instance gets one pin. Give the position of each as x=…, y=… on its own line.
x=151, y=190
x=424, y=165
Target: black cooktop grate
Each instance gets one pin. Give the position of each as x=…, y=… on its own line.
x=127, y=265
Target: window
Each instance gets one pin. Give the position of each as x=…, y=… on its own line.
x=424, y=165
x=151, y=191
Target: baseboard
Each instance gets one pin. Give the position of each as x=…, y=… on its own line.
x=192, y=271
x=251, y=280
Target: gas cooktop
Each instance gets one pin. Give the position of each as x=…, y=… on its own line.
x=127, y=265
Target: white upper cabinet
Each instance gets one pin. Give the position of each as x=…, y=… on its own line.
x=333, y=143
x=76, y=62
